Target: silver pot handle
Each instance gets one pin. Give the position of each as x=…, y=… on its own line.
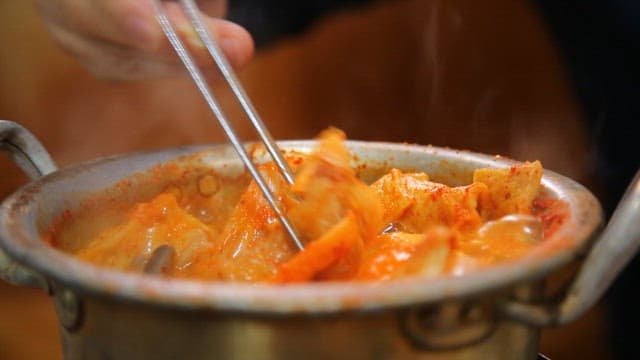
x=29, y=154
x=613, y=250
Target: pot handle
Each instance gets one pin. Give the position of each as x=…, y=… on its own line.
x=613, y=250
x=29, y=154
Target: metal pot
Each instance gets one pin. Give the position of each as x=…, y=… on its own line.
x=494, y=313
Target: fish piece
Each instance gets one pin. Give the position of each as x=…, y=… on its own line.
x=511, y=191
x=414, y=204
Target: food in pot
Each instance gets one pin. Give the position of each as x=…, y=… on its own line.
x=402, y=224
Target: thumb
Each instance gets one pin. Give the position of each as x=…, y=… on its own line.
x=233, y=39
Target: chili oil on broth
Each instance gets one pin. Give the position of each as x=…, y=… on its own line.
x=197, y=187
x=201, y=201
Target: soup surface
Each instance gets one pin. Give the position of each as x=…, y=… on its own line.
x=403, y=224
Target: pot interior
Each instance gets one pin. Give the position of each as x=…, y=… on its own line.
x=92, y=196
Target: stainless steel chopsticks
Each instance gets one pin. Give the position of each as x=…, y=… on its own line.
x=192, y=12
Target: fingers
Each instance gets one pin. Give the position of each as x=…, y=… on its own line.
x=234, y=40
x=106, y=60
x=214, y=8
x=124, y=22
x=121, y=39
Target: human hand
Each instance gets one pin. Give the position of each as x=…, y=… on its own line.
x=122, y=40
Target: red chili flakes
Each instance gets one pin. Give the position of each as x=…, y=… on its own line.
x=50, y=237
x=551, y=212
x=297, y=160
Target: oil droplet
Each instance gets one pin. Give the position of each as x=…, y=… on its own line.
x=208, y=185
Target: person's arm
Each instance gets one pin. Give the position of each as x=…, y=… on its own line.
x=122, y=40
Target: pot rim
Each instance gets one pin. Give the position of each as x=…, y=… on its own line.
x=565, y=244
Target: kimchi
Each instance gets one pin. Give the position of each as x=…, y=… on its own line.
x=402, y=224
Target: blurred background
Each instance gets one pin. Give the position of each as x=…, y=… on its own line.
x=525, y=79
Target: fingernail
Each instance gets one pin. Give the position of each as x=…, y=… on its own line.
x=189, y=33
x=141, y=33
